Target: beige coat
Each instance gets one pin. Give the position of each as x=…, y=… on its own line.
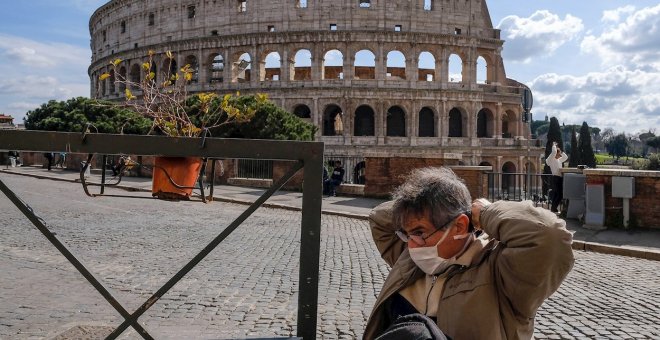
x=527, y=258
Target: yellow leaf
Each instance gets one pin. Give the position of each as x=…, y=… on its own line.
x=104, y=76
x=129, y=95
x=151, y=53
x=151, y=76
x=188, y=76
x=146, y=66
x=116, y=62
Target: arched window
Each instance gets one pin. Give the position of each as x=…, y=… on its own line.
x=508, y=124
x=396, y=122
x=426, y=123
x=455, y=123
x=272, y=67
x=170, y=67
x=242, y=69
x=482, y=71
x=303, y=111
x=364, y=121
x=365, y=65
x=111, y=82
x=455, y=69
x=302, y=66
x=484, y=124
x=216, y=74
x=426, y=67
x=333, y=65
x=329, y=116
x=194, y=65
x=508, y=179
x=135, y=76
x=396, y=65
x=122, y=78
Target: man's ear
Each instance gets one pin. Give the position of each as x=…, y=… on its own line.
x=462, y=224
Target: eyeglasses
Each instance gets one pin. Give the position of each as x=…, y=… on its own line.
x=420, y=239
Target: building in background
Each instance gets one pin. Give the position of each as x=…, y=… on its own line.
x=421, y=78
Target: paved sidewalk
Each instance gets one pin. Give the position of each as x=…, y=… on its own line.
x=638, y=243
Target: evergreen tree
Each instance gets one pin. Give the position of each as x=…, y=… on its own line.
x=585, y=150
x=574, y=159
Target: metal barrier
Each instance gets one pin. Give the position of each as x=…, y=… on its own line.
x=254, y=168
x=353, y=165
x=518, y=187
x=308, y=155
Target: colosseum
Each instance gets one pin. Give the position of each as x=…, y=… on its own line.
x=422, y=78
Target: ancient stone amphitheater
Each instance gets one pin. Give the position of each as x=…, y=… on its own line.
x=410, y=78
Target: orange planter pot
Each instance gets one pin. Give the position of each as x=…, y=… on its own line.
x=182, y=170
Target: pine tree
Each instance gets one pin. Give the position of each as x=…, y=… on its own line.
x=574, y=159
x=587, y=156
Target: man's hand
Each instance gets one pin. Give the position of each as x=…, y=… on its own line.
x=477, y=205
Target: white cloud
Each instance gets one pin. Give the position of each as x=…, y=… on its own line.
x=538, y=35
x=632, y=39
x=32, y=53
x=615, y=15
x=621, y=98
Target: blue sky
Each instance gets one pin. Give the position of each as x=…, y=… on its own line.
x=595, y=61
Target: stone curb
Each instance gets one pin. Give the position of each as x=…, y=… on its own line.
x=577, y=245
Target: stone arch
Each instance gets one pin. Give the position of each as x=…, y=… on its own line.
x=530, y=168
x=217, y=68
x=396, y=122
x=111, y=82
x=365, y=122
x=457, y=122
x=482, y=70
x=427, y=123
x=271, y=67
x=485, y=123
x=365, y=64
x=359, y=173
x=329, y=113
x=426, y=66
x=241, y=67
x=333, y=65
x=302, y=111
x=169, y=68
x=134, y=76
x=455, y=67
x=484, y=163
x=302, y=65
x=508, y=177
x=122, y=78
x=194, y=66
x=396, y=65
x=102, y=85
x=508, y=124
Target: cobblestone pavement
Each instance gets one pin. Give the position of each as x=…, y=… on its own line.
x=247, y=286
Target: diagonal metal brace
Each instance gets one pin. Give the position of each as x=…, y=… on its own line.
x=41, y=225
x=202, y=254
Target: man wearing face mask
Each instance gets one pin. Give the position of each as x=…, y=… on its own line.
x=473, y=287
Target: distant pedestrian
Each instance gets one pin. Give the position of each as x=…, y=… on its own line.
x=555, y=161
x=61, y=160
x=336, y=179
x=13, y=158
x=49, y=157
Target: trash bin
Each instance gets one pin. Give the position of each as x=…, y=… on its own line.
x=88, y=171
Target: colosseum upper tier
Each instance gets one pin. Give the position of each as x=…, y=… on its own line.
x=419, y=78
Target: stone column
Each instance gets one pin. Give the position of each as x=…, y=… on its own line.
x=498, y=121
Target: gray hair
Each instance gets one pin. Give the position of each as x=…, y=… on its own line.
x=435, y=191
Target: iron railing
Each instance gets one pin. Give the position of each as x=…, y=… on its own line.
x=518, y=187
x=354, y=166
x=308, y=154
x=254, y=168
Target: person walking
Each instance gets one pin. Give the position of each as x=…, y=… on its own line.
x=555, y=161
x=49, y=157
x=336, y=178
x=479, y=270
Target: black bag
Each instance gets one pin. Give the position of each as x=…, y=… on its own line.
x=413, y=327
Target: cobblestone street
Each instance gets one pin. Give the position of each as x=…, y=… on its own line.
x=247, y=286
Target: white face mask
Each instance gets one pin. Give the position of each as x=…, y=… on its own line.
x=427, y=258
